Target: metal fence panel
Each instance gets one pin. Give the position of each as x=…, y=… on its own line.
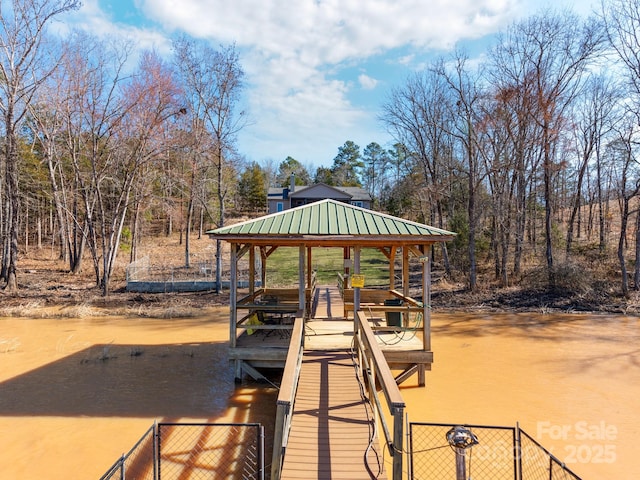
x=501, y=453
x=199, y=451
x=433, y=458
x=539, y=464
x=192, y=451
x=138, y=463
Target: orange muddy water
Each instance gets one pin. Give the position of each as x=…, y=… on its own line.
x=77, y=393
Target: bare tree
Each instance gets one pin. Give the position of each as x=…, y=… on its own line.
x=417, y=116
x=622, y=25
x=154, y=98
x=593, y=120
x=24, y=65
x=499, y=159
x=551, y=52
x=212, y=81
x=623, y=153
x=465, y=112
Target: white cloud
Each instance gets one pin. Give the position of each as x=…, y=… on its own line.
x=293, y=51
x=92, y=19
x=367, y=82
x=331, y=31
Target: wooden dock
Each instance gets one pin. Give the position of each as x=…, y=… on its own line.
x=333, y=430
x=333, y=434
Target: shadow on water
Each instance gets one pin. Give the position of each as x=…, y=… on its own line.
x=107, y=380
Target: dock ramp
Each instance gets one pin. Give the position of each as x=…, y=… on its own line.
x=333, y=430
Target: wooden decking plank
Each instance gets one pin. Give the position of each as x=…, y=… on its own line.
x=328, y=303
x=332, y=424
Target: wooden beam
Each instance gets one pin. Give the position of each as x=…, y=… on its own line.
x=257, y=354
x=244, y=249
x=407, y=356
x=253, y=373
x=386, y=251
x=406, y=374
x=270, y=250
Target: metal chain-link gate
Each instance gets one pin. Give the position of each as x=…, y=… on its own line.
x=501, y=453
x=194, y=451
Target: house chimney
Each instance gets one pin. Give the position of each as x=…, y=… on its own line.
x=292, y=183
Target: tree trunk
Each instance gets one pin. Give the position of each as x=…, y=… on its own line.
x=11, y=158
x=548, y=207
x=636, y=273
x=624, y=219
x=471, y=211
x=577, y=201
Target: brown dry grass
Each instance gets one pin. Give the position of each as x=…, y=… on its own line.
x=588, y=283
x=48, y=290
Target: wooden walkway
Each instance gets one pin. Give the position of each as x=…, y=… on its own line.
x=333, y=432
x=328, y=303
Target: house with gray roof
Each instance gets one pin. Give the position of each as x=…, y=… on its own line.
x=280, y=199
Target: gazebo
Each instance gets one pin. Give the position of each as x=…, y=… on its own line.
x=331, y=224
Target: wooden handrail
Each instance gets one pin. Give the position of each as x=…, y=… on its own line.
x=410, y=300
x=376, y=366
x=388, y=382
x=287, y=395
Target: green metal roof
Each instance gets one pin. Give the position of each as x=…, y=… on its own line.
x=330, y=217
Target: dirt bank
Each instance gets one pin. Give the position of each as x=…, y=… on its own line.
x=47, y=289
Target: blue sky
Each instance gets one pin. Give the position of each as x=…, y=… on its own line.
x=317, y=71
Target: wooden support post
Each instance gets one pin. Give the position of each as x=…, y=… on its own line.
x=301, y=284
x=308, y=300
x=356, y=270
x=252, y=270
x=405, y=271
x=233, y=296
x=238, y=370
x=405, y=281
x=426, y=298
x=263, y=261
x=346, y=255
x=309, y=263
x=392, y=268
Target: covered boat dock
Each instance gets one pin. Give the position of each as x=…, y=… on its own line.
x=262, y=319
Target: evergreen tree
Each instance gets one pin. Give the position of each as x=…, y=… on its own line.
x=252, y=189
x=346, y=166
x=287, y=167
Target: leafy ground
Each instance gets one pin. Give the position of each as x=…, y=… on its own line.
x=48, y=290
